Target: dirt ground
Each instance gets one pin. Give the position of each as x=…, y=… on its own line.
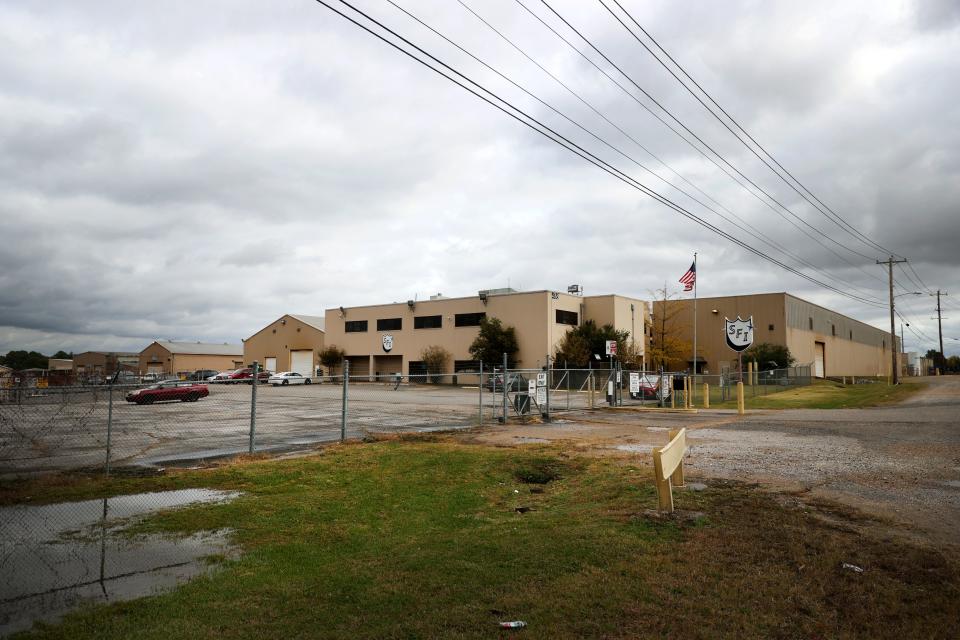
x=899, y=464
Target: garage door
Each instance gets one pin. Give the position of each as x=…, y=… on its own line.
x=302, y=362
x=818, y=359
x=270, y=364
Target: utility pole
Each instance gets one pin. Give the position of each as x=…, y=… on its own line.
x=940, y=324
x=894, y=369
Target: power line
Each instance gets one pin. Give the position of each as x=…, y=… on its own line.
x=695, y=136
x=537, y=126
x=758, y=235
x=818, y=205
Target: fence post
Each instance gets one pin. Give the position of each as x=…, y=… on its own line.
x=504, y=385
x=109, y=428
x=343, y=403
x=253, y=405
x=480, y=422
x=546, y=417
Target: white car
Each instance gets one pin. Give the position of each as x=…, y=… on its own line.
x=223, y=376
x=287, y=377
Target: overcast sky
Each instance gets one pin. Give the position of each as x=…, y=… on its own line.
x=194, y=170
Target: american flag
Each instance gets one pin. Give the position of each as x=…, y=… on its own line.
x=689, y=278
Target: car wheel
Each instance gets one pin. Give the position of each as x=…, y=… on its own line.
x=286, y=382
x=307, y=381
x=148, y=400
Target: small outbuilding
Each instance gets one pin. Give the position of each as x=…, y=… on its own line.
x=292, y=342
x=168, y=358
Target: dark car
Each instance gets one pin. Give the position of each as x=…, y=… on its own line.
x=202, y=374
x=516, y=382
x=169, y=390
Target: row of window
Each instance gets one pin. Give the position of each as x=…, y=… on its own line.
x=419, y=322
x=833, y=328
x=436, y=322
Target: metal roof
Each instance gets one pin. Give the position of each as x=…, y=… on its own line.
x=317, y=322
x=201, y=348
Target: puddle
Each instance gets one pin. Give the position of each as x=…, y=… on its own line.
x=55, y=558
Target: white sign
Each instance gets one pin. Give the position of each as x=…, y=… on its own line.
x=387, y=342
x=739, y=333
x=531, y=387
x=634, y=382
x=619, y=377
x=542, y=379
x=541, y=396
x=611, y=347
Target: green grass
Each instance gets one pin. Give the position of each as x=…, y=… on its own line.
x=421, y=539
x=826, y=394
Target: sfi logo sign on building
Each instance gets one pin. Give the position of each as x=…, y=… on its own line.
x=739, y=333
x=387, y=343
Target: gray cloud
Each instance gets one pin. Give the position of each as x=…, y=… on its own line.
x=195, y=171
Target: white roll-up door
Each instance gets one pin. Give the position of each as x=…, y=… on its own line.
x=270, y=364
x=818, y=359
x=302, y=362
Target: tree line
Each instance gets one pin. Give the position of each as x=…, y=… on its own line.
x=20, y=360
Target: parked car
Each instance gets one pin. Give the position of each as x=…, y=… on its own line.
x=650, y=388
x=201, y=374
x=150, y=377
x=223, y=376
x=246, y=374
x=288, y=377
x=515, y=381
x=123, y=377
x=169, y=390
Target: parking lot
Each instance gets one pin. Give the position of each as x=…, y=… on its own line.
x=63, y=429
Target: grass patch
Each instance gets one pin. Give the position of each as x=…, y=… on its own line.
x=421, y=539
x=826, y=394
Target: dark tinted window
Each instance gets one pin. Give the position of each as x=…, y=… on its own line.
x=389, y=324
x=567, y=317
x=355, y=326
x=469, y=319
x=427, y=322
x=460, y=366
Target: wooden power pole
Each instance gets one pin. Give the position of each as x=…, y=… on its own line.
x=894, y=368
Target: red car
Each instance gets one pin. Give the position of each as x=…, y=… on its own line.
x=169, y=390
x=245, y=375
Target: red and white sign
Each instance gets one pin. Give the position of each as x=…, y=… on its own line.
x=611, y=347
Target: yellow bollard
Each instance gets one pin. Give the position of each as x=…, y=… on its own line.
x=740, y=408
x=750, y=374
x=706, y=395
x=673, y=397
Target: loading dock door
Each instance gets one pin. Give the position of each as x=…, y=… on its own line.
x=302, y=362
x=818, y=359
x=270, y=364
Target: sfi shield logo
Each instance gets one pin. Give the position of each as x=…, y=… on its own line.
x=387, y=343
x=739, y=333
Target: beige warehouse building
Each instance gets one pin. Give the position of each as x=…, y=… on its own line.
x=832, y=343
x=183, y=358
x=104, y=363
x=289, y=343
x=389, y=338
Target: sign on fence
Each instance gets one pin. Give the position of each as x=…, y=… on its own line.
x=611, y=347
x=634, y=382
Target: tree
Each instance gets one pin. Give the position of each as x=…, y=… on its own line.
x=332, y=356
x=581, y=343
x=668, y=348
x=769, y=356
x=934, y=356
x=20, y=360
x=435, y=359
x=493, y=341
x=62, y=355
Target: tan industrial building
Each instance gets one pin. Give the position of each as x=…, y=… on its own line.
x=389, y=338
x=832, y=343
x=104, y=363
x=183, y=358
x=289, y=343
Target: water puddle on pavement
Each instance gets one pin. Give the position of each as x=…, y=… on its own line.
x=55, y=558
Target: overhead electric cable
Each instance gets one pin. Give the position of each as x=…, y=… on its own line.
x=818, y=205
x=564, y=142
x=695, y=136
x=756, y=235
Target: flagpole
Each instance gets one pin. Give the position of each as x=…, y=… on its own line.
x=694, y=385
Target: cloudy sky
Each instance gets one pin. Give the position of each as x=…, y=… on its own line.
x=193, y=170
